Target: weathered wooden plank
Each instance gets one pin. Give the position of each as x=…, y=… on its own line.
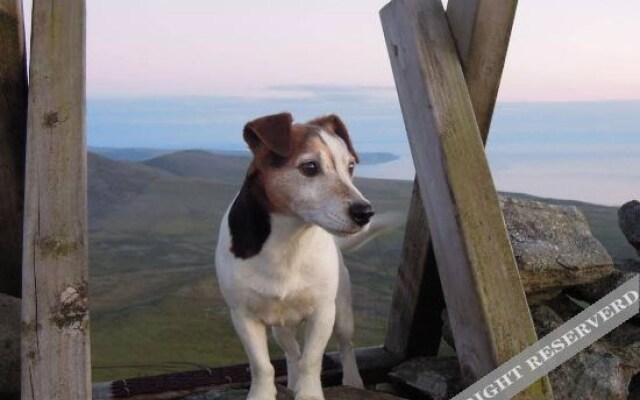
x=373, y=362
x=55, y=338
x=13, y=126
x=476, y=264
x=481, y=30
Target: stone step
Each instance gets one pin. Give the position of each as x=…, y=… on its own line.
x=553, y=245
x=331, y=393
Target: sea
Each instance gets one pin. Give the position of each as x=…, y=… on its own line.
x=587, y=151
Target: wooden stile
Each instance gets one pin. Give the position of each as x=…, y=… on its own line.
x=13, y=112
x=487, y=307
x=481, y=30
x=55, y=333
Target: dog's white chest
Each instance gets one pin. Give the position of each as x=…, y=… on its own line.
x=279, y=312
x=283, y=283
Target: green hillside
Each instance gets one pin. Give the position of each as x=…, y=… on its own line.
x=129, y=154
x=202, y=164
x=154, y=299
x=155, y=305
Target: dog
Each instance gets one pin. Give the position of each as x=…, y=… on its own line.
x=278, y=258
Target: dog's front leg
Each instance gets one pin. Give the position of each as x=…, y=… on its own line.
x=318, y=331
x=253, y=335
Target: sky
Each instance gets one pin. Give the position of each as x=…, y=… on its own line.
x=189, y=74
x=560, y=49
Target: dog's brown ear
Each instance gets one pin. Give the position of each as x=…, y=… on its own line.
x=334, y=124
x=272, y=132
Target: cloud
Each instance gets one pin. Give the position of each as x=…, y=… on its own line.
x=334, y=92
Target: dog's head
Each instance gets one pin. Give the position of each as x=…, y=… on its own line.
x=306, y=170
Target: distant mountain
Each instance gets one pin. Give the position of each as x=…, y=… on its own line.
x=143, y=154
x=202, y=164
x=113, y=182
x=126, y=197
x=129, y=154
x=181, y=188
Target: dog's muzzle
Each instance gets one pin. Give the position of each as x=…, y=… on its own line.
x=361, y=213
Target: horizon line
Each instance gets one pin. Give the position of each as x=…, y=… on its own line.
x=315, y=95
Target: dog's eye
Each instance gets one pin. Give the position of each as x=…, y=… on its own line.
x=352, y=166
x=310, y=168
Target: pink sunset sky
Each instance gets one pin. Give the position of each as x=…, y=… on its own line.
x=560, y=49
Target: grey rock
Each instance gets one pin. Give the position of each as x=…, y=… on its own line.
x=349, y=393
x=603, y=370
x=9, y=345
x=628, y=265
x=553, y=245
x=545, y=319
x=235, y=394
x=593, y=292
x=390, y=388
x=437, y=378
x=593, y=374
x=629, y=220
x=534, y=298
x=220, y=394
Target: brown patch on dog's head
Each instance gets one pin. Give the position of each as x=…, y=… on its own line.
x=334, y=124
x=271, y=133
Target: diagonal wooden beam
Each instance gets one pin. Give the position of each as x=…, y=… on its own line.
x=415, y=317
x=55, y=312
x=487, y=307
x=481, y=30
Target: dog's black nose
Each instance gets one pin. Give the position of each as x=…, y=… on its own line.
x=361, y=213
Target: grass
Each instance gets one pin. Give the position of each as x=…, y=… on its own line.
x=155, y=304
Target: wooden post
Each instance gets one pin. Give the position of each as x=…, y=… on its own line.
x=55, y=333
x=13, y=112
x=481, y=30
x=487, y=307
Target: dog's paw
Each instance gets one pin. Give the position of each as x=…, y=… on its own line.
x=265, y=391
x=260, y=396
x=309, y=396
x=309, y=389
x=353, y=380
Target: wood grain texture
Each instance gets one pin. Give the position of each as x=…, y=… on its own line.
x=481, y=30
x=487, y=306
x=55, y=334
x=13, y=112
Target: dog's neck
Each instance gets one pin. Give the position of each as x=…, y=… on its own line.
x=289, y=228
x=251, y=222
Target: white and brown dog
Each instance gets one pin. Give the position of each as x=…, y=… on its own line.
x=278, y=258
